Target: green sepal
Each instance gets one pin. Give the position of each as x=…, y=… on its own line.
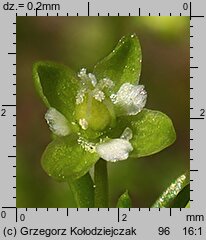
x=152, y=132
x=64, y=159
x=123, y=64
x=124, y=201
x=83, y=191
x=57, y=85
x=176, y=195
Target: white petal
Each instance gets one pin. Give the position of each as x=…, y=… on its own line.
x=58, y=124
x=114, y=150
x=130, y=99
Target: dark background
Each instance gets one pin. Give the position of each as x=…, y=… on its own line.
x=80, y=42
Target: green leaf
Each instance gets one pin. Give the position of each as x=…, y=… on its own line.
x=152, y=132
x=83, y=191
x=64, y=159
x=124, y=201
x=176, y=195
x=123, y=64
x=57, y=85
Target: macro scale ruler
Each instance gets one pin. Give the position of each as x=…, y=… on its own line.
x=144, y=223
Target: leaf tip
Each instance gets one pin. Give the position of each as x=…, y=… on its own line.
x=37, y=81
x=124, y=200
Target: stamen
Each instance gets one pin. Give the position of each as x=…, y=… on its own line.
x=98, y=95
x=93, y=79
x=127, y=134
x=83, y=123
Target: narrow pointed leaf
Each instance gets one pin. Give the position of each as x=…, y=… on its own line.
x=182, y=198
x=101, y=184
x=124, y=201
x=64, y=159
x=123, y=64
x=57, y=85
x=83, y=191
x=176, y=195
x=152, y=132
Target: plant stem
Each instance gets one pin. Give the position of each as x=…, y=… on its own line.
x=83, y=191
x=101, y=184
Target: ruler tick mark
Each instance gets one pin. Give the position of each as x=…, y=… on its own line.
x=88, y=6
x=197, y=118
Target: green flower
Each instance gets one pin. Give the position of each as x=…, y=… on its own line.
x=100, y=114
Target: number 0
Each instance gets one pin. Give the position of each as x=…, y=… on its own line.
x=185, y=6
x=3, y=214
x=22, y=217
